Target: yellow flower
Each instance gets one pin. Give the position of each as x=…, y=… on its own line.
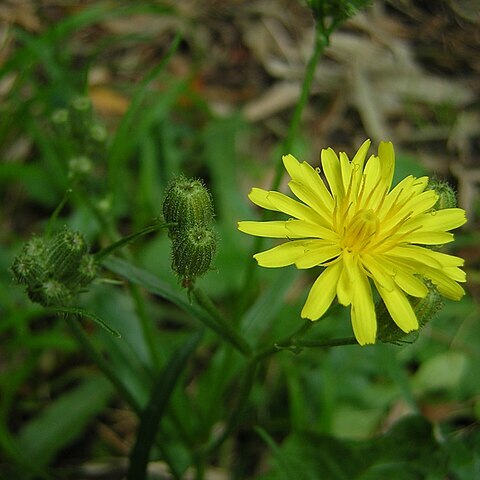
x=361, y=232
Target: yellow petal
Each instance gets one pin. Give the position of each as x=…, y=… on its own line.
x=258, y=196
x=345, y=282
x=359, y=158
x=304, y=229
x=292, y=165
x=364, y=321
x=444, y=259
x=386, y=154
x=429, y=238
x=372, y=176
x=312, y=180
x=283, y=255
x=455, y=273
x=331, y=169
x=446, y=286
x=274, y=229
x=291, y=207
x=322, y=292
x=347, y=169
x=439, y=220
x=320, y=200
x=318, y=253
x=399, y=308
x=379, y=271
x=413, y=253
x=410, y=284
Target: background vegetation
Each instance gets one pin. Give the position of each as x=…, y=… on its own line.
x=208, y=89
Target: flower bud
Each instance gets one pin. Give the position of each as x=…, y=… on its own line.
x=86, y=272
x=193, y=251
x=187, y=203
x=447, y=197
x=54, y=270
x=27, y=270
x=51, y=293
x=425, y=309
x=65, y=253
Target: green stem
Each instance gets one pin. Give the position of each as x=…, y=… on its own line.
x=100, y=255
x=223, y=327
x=324, y=344
x=321, y=41
x=285, y=343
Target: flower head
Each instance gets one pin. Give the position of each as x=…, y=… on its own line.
x=363, y=233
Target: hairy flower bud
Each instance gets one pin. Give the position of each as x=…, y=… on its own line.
x=28, y=268
x=193, y=251
x=447, y=197
x=187, y=203
x=86, y=272
x=51, y=293
x=65, y=253
x=55, y=269
x=425, y=309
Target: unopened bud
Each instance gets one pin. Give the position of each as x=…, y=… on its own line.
x=65, y=253
x=86, y=272
x=193, y=251
x=50, y=293
x=27, y=270
x=187, y=203
x=425, y=309
x=54, y=270
x=447, y=197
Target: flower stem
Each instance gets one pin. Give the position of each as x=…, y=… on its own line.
x=286, y=343
x=325, y=343
x=321, y=41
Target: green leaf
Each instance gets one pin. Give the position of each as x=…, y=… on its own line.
x=157, y=404
x=441, y=372
x=154, y=285
x=463, y=454
x=407, y=452
x=64, y=420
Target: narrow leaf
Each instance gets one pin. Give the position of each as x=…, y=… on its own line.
x=90, y=315
x=153, y=412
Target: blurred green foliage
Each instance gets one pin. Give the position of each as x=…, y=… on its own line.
x=324, y=413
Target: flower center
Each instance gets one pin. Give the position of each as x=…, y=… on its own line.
x=360, y=231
